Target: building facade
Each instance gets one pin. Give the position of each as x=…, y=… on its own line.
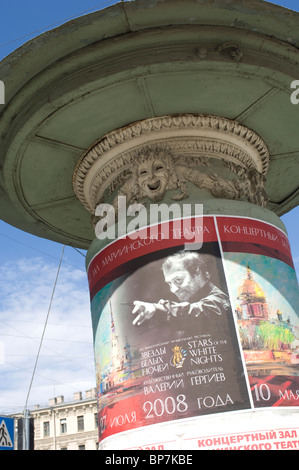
x=68, y=425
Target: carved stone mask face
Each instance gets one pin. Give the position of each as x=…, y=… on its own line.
x=153, y=178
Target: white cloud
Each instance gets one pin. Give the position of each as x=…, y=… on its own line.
x=66, y=361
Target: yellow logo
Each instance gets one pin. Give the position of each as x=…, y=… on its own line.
x=179, y=356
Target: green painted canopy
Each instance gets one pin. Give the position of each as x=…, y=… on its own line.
x=136, y=60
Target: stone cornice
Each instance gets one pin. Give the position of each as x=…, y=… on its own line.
x=193, y=141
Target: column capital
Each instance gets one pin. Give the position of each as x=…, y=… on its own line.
x=174, y=153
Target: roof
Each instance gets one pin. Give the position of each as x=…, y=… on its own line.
x=70, y=86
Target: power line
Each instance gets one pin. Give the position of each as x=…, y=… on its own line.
x=45, y=28
x=52, y=356
x=24, y=369
x=44, y=330
x=79, y=252
x=47, y=339
x=22, y=335
x=67, y=325
x=39, y=251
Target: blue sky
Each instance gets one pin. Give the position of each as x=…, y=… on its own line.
x=28, y=265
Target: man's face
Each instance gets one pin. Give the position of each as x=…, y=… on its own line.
x=181, y=283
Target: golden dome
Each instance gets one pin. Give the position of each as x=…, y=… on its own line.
x=251, y=289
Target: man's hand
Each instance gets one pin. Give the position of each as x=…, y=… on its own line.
x=145, y=311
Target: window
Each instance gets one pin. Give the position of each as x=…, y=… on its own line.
x=63, y=426
x=80, y=423
x=46, y=429
x=82, y=447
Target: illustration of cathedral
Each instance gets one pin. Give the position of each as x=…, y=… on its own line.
x=123, y=369
x=252, y=300
x=265, y=335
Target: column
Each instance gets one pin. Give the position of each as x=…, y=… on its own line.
x=194, y=297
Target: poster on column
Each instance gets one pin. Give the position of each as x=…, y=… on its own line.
x=265, y=299
x=157, y=359
x=180, y=333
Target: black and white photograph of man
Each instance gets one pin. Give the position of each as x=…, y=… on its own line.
x=189, y=279
x=173, y=323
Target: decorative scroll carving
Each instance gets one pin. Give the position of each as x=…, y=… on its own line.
x=148, y=158
x=233, y=50
x=202, y=53
x=154, y=172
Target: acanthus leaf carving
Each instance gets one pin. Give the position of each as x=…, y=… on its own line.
x=155, y=172
x=145, y=160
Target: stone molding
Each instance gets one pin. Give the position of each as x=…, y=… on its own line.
x=189, y=145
